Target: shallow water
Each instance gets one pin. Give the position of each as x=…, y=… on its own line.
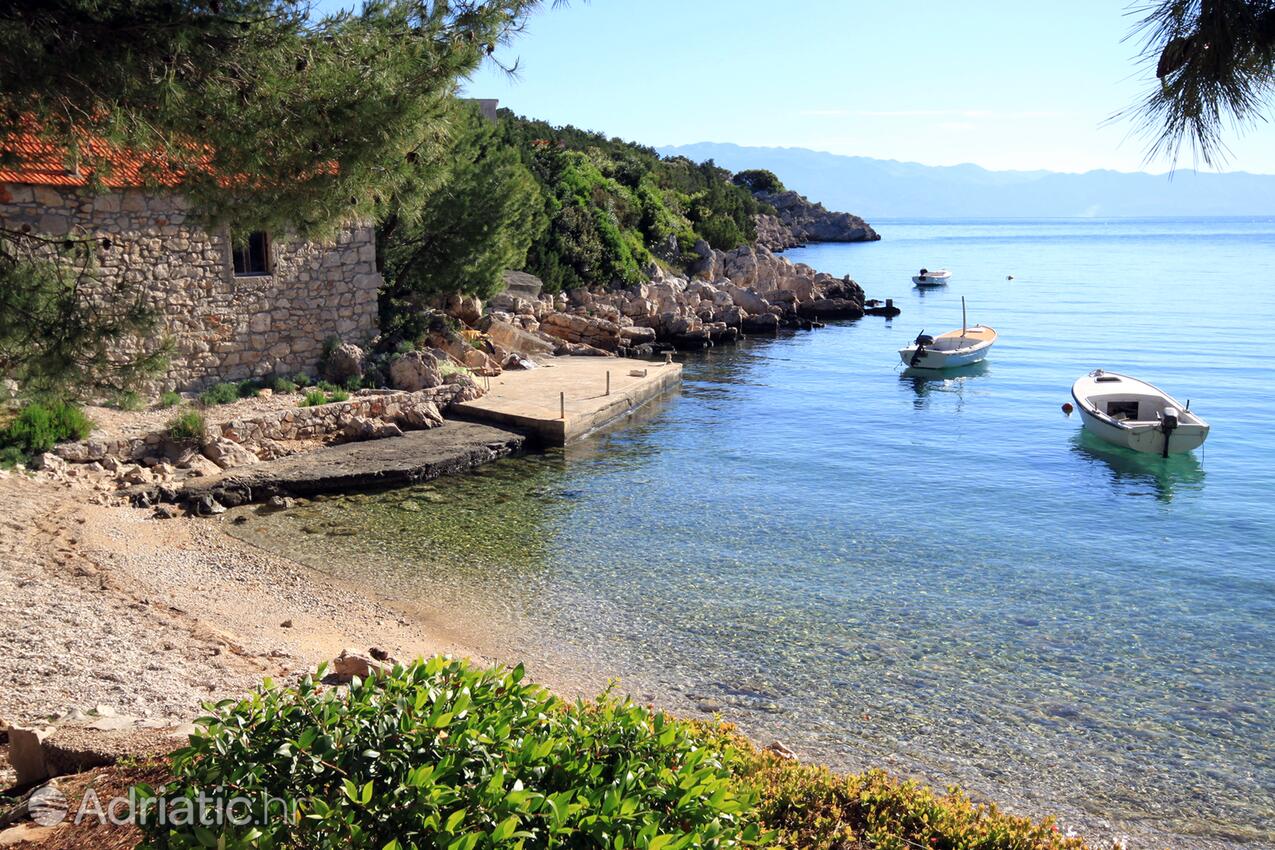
x=942, y=576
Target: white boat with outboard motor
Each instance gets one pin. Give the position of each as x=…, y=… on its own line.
x=938, y=277
x=1131, y=413
x=954, y=348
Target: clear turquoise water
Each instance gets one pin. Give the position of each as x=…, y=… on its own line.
x=944, y=577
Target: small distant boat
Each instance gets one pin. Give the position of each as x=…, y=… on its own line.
x=939, y=277
x=1131, y=413
x=954, y=348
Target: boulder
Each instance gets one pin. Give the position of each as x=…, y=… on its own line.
x=415, y=370
x=467, y=388
x=637, y=336
x=228, y=454
x=26, y=753
x=573, y=327
x=351, y=663
x=362, y=428
x=465, y=308
x=765, y=323
x=421, y=415
x=343, y=363
x=523, y=285
x=514, y=339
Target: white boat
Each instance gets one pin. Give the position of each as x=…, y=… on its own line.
x=1131, y=413
x=939, y=277
x=946, y=351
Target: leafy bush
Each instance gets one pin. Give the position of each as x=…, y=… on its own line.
x=129, y=400
x=280, y=384
x=301, y=379
x=222, y=393
x=812, y=808
x=327, y=386
x=758, y=180
x=249, y=389
x=187, y=427
x=170, y=399
x=338, y=395
x=11, y=456
x=39, y=427
x=313, y=397
x=441, y=754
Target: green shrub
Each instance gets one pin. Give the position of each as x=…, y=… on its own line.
x=441, y=754
x=758, y=180
x=187, y=427
x=280, y=384
x=314, y=397
x=11, y=456
x=39, y=427
x=223, y=393
x=170, y=399
x=338, y=395
x=249, y=389
x=301, y=379
x=327, y=386
x=129, y=400
x=811, y=808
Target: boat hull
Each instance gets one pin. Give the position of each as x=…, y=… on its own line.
x=929, y=280
x=1139, y=435
x=931, y=359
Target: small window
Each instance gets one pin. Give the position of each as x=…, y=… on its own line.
x=252, y=256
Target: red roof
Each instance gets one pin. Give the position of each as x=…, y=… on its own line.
x=41, y=163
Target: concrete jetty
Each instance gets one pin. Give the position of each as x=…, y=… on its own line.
x=414, y=457
x=565, y=398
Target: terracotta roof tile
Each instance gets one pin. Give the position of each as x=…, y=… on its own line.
x=41, y=163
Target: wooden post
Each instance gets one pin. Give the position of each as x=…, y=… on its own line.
x=608, y=381
x=562, y=405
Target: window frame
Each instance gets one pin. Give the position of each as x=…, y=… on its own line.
x=264, y=266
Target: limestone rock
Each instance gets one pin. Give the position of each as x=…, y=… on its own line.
x=26, y=753
x=415, y=370
x=513, y=338
x=572, y=327
x=362, y=428
x=351, y=663
x=343, y=363
x=523, y=285
x=228, y=454
x=811, y=222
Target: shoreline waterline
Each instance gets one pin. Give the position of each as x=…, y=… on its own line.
x=1080, y=633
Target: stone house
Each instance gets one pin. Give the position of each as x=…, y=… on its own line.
x=229, y=311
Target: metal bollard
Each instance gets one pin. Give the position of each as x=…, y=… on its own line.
x=608, y=381
x=562, y=405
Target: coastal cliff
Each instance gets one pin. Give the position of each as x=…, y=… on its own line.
x=798, y=220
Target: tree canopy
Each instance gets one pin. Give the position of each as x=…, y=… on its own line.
x=1215, y=70
x=270, y=118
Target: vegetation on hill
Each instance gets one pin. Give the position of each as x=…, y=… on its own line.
x=614, y=207
x=447, y=756
x=572, y=207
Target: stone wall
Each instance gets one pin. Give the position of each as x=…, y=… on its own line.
x=327, y=422
x=222, y=327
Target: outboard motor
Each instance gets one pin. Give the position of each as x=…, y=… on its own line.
x=922, y=340
x=1168, y=424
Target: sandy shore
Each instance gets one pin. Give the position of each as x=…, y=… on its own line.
x=107, y=605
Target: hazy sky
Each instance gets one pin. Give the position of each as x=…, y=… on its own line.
x=1001, y=84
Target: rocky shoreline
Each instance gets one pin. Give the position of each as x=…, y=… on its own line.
x=726, y=295
x=798, y=221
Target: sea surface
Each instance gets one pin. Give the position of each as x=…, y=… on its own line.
x=943, y=575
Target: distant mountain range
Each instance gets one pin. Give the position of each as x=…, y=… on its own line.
x=883, y=188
